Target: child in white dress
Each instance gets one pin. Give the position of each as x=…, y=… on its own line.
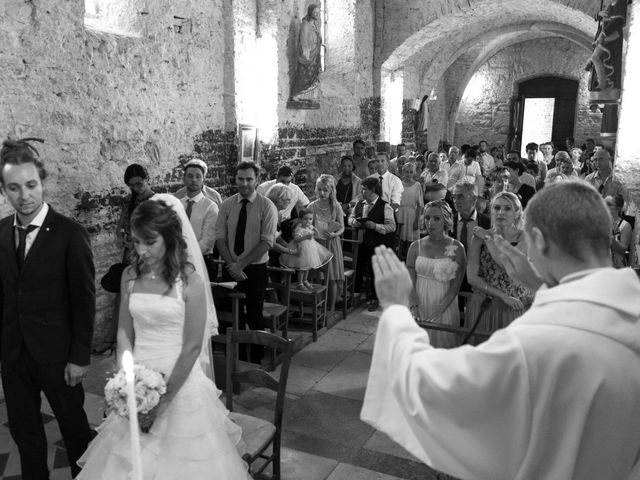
x=310, y=254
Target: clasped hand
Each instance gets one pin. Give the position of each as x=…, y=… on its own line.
x=235, y=270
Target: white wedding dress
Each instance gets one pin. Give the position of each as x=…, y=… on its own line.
x=193, y=439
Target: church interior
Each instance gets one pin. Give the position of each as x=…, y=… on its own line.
x=108, y=83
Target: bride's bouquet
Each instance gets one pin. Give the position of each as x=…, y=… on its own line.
x=149, y=385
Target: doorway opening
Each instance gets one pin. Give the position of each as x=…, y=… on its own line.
x=544, y=110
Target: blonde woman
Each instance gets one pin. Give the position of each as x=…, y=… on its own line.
x=437, y=265
x=329, y=220
x=488, y=277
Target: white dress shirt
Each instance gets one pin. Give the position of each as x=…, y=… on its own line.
x=31, y=236
x=204, y=214
x=392, y=187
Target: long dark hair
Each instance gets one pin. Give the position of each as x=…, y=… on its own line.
x=134, y=170
x=152, y=218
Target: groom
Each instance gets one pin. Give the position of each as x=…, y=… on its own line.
x=47, y=292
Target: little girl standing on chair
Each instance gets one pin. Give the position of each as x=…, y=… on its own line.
x=310, y=254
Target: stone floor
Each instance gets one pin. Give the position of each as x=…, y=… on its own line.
x=323, y=437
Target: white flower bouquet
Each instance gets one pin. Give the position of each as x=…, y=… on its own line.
x=149, y=385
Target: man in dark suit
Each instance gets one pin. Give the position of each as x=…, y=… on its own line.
x=376, y=217
x=466, y=218
x=48, y=305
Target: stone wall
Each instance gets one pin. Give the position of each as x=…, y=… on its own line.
x=486, y=114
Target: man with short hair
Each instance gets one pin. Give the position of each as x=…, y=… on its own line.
x=524, y=192
x=452, y=159
x=245, y=231
x=376, y=216
x=285, y=175
x=433, y=173
x=526, y=177
x=507, y=399
x=209, y=192
x=564, y=165
x=585, y=158
x=547, y=152
x=532, y=156
x=603, y=179
x=469, y=167
x=347, y=185
x=201, y=211
x=486, y=161
x=395, y=164
x=391, y=185
x=360, y=160
x=47, y=309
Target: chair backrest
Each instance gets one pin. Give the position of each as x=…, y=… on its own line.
x=354, y=242
x=280, y=282
x=254, y=375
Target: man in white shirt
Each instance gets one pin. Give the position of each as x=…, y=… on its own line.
x=564, y=165
x=452, y=159
x=486, y=161
x=285, y=176
x=392, y=187
x=525, y=178
x=467, y=168
x=532, y=156
x=201, y=210
x=433, y=173
x=552, y=396
x=209, y=192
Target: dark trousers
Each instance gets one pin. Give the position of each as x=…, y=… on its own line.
x=23, y=379
x=254, y=287
x=364, y=266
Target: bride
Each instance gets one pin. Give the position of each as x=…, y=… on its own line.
x=165, y=313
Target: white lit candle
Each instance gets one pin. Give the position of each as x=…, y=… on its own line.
x=134, y=430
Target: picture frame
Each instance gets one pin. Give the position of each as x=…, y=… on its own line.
x=248, y=143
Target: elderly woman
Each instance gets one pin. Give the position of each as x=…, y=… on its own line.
x=487, y=277
x=437, y=264
x=621, y=231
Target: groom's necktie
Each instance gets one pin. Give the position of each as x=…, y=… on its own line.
x=22, y=242
x=189, y=208
x=238, y=242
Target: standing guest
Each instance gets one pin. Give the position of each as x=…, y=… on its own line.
x=285, y=175
x=526, y=177
x=498, y=182
x=434, y=173
x=487, y=277
x=468, y=168
x=585, y=158
x=452, y=160
x=137, y=179
x=329, y=220
x=603, y=179
x=281, y=195
x=209, y=192
x=245, y=231
x=401, y=151
x=576, y=153
x=372, y=167
x=486, y=161
x=347, y=185
x=395, y=165
x=547, y=154
x=504, y=403
x=390, y=184
x=410, y=208
x=564, y=165
x=437, y=265
x=532, y=156
x=47, y=287
x=360, y=161
x=569, y=143
x=621, y=231
x=498, y=155
x=201, y=211
x=421, y=166
x=376, y=216
x=524, y=192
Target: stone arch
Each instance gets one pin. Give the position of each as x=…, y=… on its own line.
x=439, y=43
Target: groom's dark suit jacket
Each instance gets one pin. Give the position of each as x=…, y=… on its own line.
x=49, y=305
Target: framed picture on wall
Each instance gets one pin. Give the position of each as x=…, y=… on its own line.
x=248, y=148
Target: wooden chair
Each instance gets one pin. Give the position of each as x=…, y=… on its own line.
x=313, y=300
x=257, y=433
x=350, y=266
x=276, y=306
x=227, y=315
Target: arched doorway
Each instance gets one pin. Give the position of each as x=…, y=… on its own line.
x=544, y=109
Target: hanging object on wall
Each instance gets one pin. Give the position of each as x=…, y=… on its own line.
x=605, y=63
x=308, y=61
x=609, y=126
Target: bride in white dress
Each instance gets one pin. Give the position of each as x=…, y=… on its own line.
x=437, y=265
x=165, y=313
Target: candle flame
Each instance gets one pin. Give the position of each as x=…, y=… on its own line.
x=127, y=364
